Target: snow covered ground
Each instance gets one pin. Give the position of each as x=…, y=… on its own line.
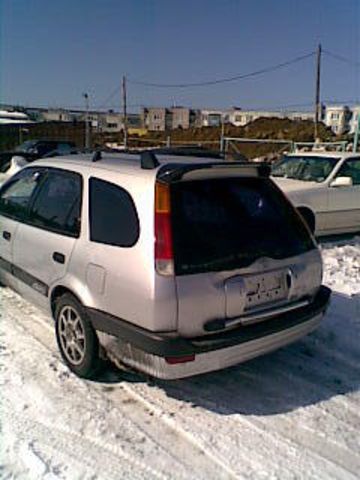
x=293, y=414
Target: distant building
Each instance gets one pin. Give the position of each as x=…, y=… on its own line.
x=161, y=119
x=57, y=115
x=338, y=117
x=297, y=116
x=355, y=117
x=157, y=119
x=240, y=118
x=110, y=122
x=184, y=117
x=213, y=118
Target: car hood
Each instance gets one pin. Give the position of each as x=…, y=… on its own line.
x=290, y=185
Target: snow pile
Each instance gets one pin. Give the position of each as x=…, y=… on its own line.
x=342, y=265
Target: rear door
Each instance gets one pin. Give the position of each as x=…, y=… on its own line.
x=43, y=245
x=232, y=239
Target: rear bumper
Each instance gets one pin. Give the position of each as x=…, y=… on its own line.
x=146, y=350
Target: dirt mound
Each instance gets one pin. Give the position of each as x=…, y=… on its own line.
x=262, y=128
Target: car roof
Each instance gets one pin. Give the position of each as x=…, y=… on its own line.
x=130, y=164
x=120, y=162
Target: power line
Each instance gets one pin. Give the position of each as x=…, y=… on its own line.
x=340, y=58
x=109, y=97
x=227, y=79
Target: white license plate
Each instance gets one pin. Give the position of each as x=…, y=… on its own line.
x=265, y=288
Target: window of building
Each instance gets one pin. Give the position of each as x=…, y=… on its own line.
x=113, y=216
x=335, y=116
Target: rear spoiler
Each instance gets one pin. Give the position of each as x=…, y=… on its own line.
x=173, y=172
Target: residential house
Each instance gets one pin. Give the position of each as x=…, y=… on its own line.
x=157, y=119
x=338, y=117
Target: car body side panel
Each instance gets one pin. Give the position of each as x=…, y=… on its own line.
x=345, y=203
x=123, y=281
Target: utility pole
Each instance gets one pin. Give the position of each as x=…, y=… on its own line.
x=124, y=112
x=87, y=124
x=317, y=93
x=222, y=134
x=357, y=133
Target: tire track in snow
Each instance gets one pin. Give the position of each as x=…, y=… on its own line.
x=115, y=463
x=268, y=383
x=290, y=445
x=275, y=452
x=82, y=442
x=170, y=439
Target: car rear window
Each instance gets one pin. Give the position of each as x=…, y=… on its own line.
x=223, y=224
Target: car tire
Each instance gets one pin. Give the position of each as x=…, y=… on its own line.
x=76, y=338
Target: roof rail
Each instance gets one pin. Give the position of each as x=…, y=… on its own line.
x=96, y=156
x=148, y=160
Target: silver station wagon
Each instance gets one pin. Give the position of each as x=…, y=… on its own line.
x=173, y=266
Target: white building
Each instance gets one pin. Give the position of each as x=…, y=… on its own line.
x=337, y=117
x=355, y=117
x=57, y=115
x=213, y=118
x=240, y=118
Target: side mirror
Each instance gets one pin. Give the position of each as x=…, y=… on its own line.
x=342, y=182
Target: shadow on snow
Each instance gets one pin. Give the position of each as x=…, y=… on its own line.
x=322, y=365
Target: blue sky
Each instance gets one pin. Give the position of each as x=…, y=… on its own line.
x=52, y=51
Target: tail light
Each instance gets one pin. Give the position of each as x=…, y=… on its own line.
x=182, y=359
x=164, y=258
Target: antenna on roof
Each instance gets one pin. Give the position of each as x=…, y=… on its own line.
x=148, y=160
x=97, y=156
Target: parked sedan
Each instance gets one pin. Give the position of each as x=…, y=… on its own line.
x=34, y=149
x=325, y=187
x=11, y=162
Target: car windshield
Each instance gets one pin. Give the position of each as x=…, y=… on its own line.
x=306, y=168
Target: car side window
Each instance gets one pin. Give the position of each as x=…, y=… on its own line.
x=57, y=205
x=64, y=148
x=350, y=168
x=16, y=195
x=113, y=216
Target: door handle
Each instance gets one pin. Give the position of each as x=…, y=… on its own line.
x=6, y=236
x=58, y=257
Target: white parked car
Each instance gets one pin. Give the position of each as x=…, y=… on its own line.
x=325, y=187
x=16, y=164
x=176, y=266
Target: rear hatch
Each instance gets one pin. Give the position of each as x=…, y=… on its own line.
x=238, y=246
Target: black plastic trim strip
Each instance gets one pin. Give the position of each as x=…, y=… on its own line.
x=25, y=277
x=169, y=344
